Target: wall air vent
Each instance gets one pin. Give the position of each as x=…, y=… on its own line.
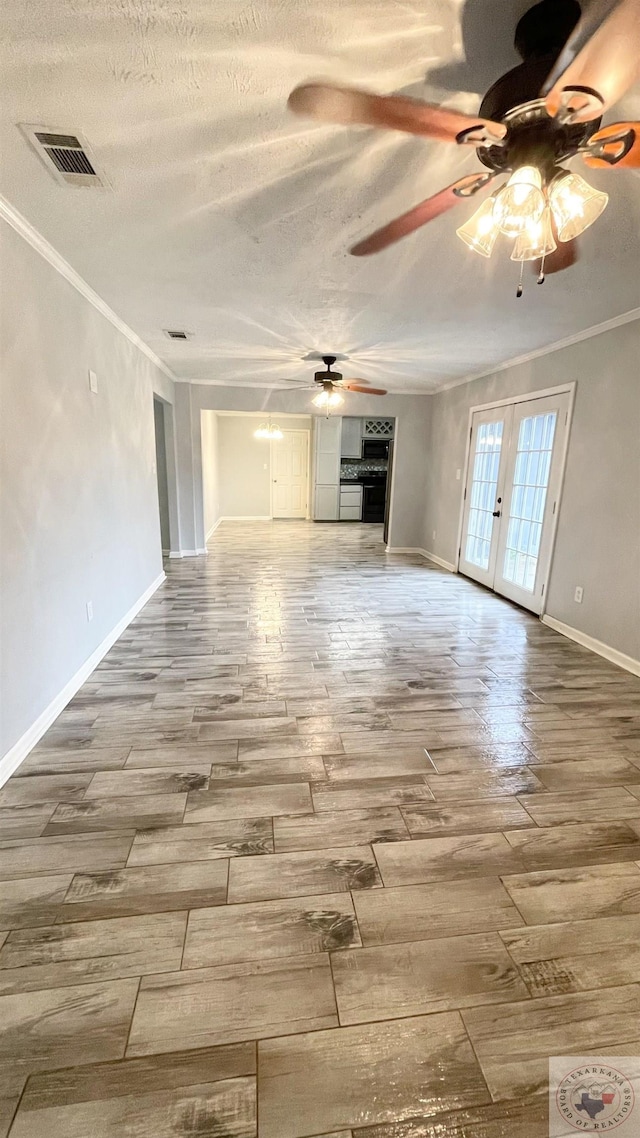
x=173, y=334
x=68, y=157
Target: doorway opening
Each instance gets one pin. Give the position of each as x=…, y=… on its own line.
x=162, y=475
x=511, y=496
x=249, y=477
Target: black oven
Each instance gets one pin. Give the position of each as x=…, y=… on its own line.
x=375, y=448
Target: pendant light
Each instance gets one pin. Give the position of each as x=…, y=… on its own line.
x=268, y=431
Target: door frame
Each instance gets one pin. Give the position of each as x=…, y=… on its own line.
x=560, y=389
x=273, y=443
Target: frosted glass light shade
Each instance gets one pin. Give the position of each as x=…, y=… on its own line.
x=520, y=202
x=536, y=241
x=480, y=231
x=575, y=204
x=328, y=399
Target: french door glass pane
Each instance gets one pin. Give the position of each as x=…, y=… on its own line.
x=483, y=494
x=526, y=513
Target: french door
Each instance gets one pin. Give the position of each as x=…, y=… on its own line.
x=511, y=496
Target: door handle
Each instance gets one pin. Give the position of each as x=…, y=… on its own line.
x=496, y=513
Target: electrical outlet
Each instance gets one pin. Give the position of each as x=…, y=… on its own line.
x=577, y=596
x=89, y=610
x=93, y=382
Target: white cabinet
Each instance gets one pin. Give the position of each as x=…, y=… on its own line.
x=326, y=504
x=326, y=443
x=351, y=437
x=350, y=503
x=378, y=429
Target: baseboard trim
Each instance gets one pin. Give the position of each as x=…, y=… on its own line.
x=247, y=518
x=448, y=565
x=422, y=553
x=213, y=529
x=597, y=646
x=186, y=553
x=10, y=762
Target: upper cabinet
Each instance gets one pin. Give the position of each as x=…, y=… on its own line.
x=351, y=437
x=378, y=429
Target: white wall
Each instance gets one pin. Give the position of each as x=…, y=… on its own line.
x=210, y=471
x=411, y=413
x=598, y=537
x=79, y=509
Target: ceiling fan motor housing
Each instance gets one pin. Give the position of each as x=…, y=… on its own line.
x=533, y=136
x=328, y=376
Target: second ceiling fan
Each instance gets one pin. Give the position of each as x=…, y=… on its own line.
x=537, y=116
x=330, y=384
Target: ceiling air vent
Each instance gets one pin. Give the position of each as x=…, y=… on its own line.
x=175, y=335
x=67, y=156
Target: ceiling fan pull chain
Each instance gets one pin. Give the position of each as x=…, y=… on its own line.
x=520, y=289
x=541, y=276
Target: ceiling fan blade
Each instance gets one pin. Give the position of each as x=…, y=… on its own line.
x=421, y=214
x=617, y=144
x=563, y=257
x=601, y=56
x=351, y=385
x=347, y=105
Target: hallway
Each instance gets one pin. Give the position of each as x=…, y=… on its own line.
x=333, y=842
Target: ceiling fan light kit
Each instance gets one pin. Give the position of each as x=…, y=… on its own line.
x=542, y=113
x=328, y=398
x=330, y=386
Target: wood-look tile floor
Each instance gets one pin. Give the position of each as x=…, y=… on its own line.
x=331, y=843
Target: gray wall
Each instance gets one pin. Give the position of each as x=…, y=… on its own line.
x=79, y=508
x=411, y=413
x=598, y=537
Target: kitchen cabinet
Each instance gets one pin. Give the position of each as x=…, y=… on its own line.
x=351, y=446
x=326, y=450
x=377, y=429
x=350, y=503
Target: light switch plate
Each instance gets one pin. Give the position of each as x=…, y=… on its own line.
x=93, y=382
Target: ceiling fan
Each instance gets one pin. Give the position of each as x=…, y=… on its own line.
x=330, y=384
x=534, y=118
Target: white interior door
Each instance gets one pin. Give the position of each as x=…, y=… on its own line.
x=490, y=432
x=290, y=474
x=511, y=497
x=533, y=470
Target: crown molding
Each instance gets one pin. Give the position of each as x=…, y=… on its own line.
x=31, y=235
x=34, y=238
x=576, y=338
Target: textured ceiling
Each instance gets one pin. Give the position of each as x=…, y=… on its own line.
x=231, y=219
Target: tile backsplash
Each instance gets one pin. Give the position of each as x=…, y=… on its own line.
x=364, y=466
